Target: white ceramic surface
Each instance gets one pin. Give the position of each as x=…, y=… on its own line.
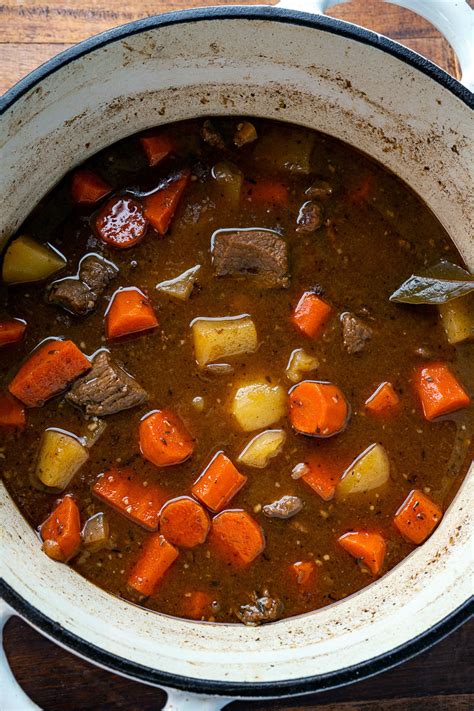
x=274, y=65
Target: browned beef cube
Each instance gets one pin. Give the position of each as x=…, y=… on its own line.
x=257, y=254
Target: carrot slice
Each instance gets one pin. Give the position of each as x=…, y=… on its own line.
x=303, y=573
x=11, y=331
x=156, y=557
x=164, y=440
x=129, y=312
x=121, y=222
x=184, y=522
x=87, y=188
x=61, y=532
x=266, y=192
x=236, y=537
x=156, y=148
x=311, y=314
x=197, y=605
x=218, y=483
x=417, y=517
x=323, y=476
x=362, y=191
x=12, y=413
x=48, y=371
x=161, y=205
x=368, y=547
x=439, y=391
x=134, y=497
x=384, y=401
x=318, y=409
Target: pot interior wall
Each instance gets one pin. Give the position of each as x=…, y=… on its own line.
x=290, y=72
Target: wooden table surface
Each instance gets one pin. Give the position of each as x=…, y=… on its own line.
x=441, y=679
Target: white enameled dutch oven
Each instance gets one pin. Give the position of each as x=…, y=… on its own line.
x=310, y=70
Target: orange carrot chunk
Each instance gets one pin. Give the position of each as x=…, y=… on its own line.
x=236, y=537
x=384, y=401
x=318, y=409
x=322, y=476
x=87, y=188
x=121, y=222
x=417, y=517
x=311, y=314
x=49, y=370
x=197, y=605
x=161, y=205
x=138, y=499
x=156, y=148
x=303, y=573
x=362, y=191
x=61, y=532
x=184, y=522
x=12, y=413
x=156, y=557
x=439, y=391
x=129, y=312
x=368, y=547
x=164, y=440
x=266, y=192
x=11, y=331
x=218, y=483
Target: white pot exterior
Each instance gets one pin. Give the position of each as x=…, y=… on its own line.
x=271, y=64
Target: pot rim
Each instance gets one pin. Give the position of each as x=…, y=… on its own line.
x=287, y=687
x=139, y=672
x=241, y=12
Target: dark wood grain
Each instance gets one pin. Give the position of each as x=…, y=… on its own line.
x=441, y=679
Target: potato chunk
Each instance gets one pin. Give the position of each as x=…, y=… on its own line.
x=285, y=149
x=216, y=338
x=61, y=455
x=262, y=448
x=26, y=260
x=369, y=471
x=300, y=363
x=258, y=405
x=457, y=317
x=229, y=181
x=181, y=286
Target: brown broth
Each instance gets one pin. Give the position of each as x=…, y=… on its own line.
x=360, y=256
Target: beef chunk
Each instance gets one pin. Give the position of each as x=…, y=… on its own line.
x=96, y=273
x=259, y=254
x=355, y=333
x=106, y=389
x=211, y=135
x=286, y=507
x=261, y=609
x=310, y=217
x=79, y=294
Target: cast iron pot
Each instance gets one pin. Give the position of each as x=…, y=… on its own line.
x=310, y=70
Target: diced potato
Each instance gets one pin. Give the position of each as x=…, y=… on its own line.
x=262, y=448
x=26, y=260
x=258, y=405
x=245, y=133
x=95, y=533
x=457, y=317
x=369, y=471
x=216, y=338
x=61, y=455
x=300, y=363
x=181, y=286
x=229, y=180
x=285, y=149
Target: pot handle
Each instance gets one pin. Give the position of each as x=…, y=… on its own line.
x=12, y=695
x=185, y=701
x=454, y=19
